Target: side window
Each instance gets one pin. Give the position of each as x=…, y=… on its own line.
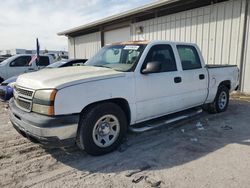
x=22, y=61
x=43, y=61
x=164, y=54
x=189, y=57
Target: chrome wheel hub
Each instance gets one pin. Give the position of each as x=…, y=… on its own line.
x=106, y=131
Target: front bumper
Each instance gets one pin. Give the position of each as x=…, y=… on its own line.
x=56, y=131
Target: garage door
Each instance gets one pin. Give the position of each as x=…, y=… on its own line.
x=117, y=35
x=87, y=45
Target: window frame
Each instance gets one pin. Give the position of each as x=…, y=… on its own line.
x=171, y=52
x=194, y=49
x=10, y=65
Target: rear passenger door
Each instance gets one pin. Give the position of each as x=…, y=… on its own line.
x=158, y=93
x=194, y=76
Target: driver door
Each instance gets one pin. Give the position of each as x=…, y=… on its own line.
x=158, y=93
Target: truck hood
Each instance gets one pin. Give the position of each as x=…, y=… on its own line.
x=62, y=77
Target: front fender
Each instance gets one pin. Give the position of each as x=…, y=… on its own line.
x=73, y=99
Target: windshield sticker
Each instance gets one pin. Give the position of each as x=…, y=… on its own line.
x=131, y=47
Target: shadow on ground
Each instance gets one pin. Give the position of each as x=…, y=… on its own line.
x=168, y=146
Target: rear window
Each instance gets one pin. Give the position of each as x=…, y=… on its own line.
x=43, y=61
x=189, y=57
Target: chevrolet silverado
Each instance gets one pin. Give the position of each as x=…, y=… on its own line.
x=124, y=84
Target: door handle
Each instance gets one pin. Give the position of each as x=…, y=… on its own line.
x=201, y=76
x=30, y=69
x=177, y=80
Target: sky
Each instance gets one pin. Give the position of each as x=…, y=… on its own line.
x=22, y=21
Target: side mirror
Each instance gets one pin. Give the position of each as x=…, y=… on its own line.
x=152, y=67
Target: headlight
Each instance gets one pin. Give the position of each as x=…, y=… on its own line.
x=43, y=102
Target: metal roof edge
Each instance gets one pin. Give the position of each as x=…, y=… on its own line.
x=118, y=16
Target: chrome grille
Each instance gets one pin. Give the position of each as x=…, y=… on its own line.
x=24, y=92
x=23, y=98
x=23, y=104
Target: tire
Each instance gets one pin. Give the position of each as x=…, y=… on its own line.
x=221, y=101
x=95, y=134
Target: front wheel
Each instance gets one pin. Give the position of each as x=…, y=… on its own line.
x=102, y=129
x=221, y=101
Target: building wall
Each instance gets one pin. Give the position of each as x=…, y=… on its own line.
x=85, y=46
x=117, y=35
x=71, y=47
x=217, y=29
x=245, y=85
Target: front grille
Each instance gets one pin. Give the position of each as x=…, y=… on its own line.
x=24, y=92
x=23, y=98
x=26, y=105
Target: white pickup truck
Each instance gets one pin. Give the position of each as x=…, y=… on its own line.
x=21, y=63
x=122, y=85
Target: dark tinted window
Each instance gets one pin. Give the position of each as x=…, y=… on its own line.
x=189, y=57
x=163, y=54
x=22, y=61
x=43, y=61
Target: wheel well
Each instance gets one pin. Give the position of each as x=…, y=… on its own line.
x=122, y=103
x=226, y=83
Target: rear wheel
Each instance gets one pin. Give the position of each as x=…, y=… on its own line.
x=102, y=129
x=221, y=101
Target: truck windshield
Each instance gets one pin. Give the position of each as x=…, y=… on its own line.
x=118, y=57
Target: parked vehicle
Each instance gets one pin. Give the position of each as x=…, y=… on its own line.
x=2, y=59
x=122, y=85
x=20, y=64
x=6, y=87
